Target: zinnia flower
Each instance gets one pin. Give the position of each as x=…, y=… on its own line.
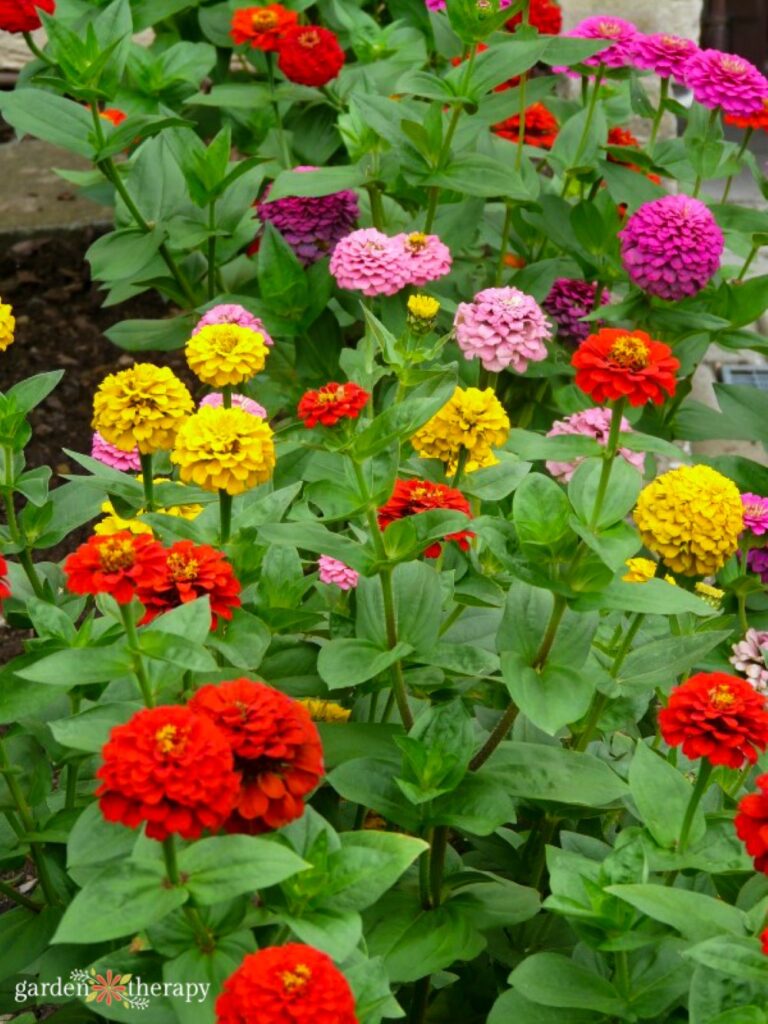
x=692, y=517
x=335, y=573
x=471, y=423
x=331, y=403
x=764, y=941
x=748, y=657
x=309, y=55
x=232, y=313
x=671, y=246
x=192, y=571
x=640, y=570
x=712, y=595
x=422, y=313
x=22, y=15
x=718, y=717
x=620, y=33
x=541, y=127
x=411, y=497
x=725, y=80
x=290, y=984
x=276, y=746
x=755, y=513
x=7, y=326
x=567, y=301
x=103, y=451
x=225, y=354
x=324, y=710
x=172, y=769
x=663, y=54
x=502, y=327
x=261, y=26
x=224, y=449
x=113, y=115
x=115, y=564
x=546, y=16
x=615, y=363
x=370, y=262
x=5, y=587
x=753, y=121
x=757, y=561
x=594, y=423
x=425, y=257
x=216, y=400
x=751, y=823
x=113, y=523
x=141, y=407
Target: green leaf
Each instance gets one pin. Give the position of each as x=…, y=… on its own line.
x=659, y=662
x=78, y=666
x=478, y=805
x=512, y=1006
x=29, y=393
x=536, y=772
x=550, y=698
x=370, y=783
x=321, y=182
x=349, y=662
x=46, y=116
x=661, y=795
x=183, y=654
x=565, y=447
x=333, y=931
x=694, y=914
x=367, y=865
x=202, y=975
x=308, y=536
x=540, y=511
x=527, y=611
x=479, y=175
x=150, y=335
x=24, y=936
x=89, y=730
x=738, y=957
x=283, y=284
x=94, y=842
x=343, y=741
x=652, y=598
x=417, y=601
x=620, y=497
x=555, y=980
x=220, y=868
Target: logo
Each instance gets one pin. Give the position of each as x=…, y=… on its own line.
x=109, y=988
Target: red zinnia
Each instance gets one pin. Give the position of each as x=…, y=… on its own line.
x=541, y=127
x=410, y=497
x=277, y=750
x=331, y=403
x=262, y=27
x=192, y=571
x=718, y=717
x=544, y=15
x=309, y=55
x=113, y=115
x=623, y=137
x=751, y=823
x=615, y=363
x=5, y=589
x=754, y=121
x=291, y=984
x=764, y=941
x=171, y=768
x=22, y=15
x=116, y=564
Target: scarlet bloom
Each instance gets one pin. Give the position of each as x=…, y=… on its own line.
x=171, y=768
x=541, y=127
x=544, y=15
x=718, y=717
x=615, y=363
x=22, y=15
x=116, y=564
x=751, y=823
x=618, y=136
x=276, y=746
x=262, y=27
x=753, y=121
x=764, y=941
x=410, y=497
x=309, y=55
x=331, y=403
x=5, y=590
x=192, y=571
x=113, y=115
x=291, y=984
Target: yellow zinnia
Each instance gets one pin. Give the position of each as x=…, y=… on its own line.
x=224, y=354
x=113, y=523
x=142, y=407
x=224, y=450
x=640, y=570
x=472, y=421
x=7, y=326
x=692, y=518
x=712, y=595
x=325, y=710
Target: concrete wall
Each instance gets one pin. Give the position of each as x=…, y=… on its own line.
x=677, y=17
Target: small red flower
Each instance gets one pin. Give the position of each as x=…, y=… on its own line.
x=751, y=824
x=718, y=717
x=276, y=746
x=410, y=497
x=615, y=363
x=331, y=403
x=116, y=564
x=623, y=137
x=171, y=768
x=309, y=55
x=764, y=941
x=113, y=115
x=262, y=27
x=5, y=587
x=291, y=984
x=754, y=121
x=541, y=127
x=22, y=15
x=192, y=571
x=544, y=15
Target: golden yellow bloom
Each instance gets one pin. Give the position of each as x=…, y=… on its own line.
x=640, y=570
x=423, y=307
x=224, y=449
x=473, y=421
x=142, y=406
x=692, y=518
x=325, y=710
x=224, y=354
x=712, y=595
x=7, y=326
x=113, y=523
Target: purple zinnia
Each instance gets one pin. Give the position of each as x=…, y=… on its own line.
x=502, y=327
x=590, y=423
x=617, y=31
x=103, y=451
x=216, y=399
x=370, y=262
x=425, y=256
x=748, y=658
x=755, y=513
x=757, y=561
x=570, y=299
x=231, y=313
x=671, y=246
x=664, y=54
x=725, y=80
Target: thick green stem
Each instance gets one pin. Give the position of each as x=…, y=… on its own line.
x=437, y=852
x=710, y=124
x=461, y=463
x=659, y=112
x=212, y=249
x=18, y=897
x=742, y=606
x=225, y=516
x=377, y=206
x=555, y=618
x=702, y=782
x=35, y=49
x=148, y=482
x=204, y=937
x=587, y=125
x=138, y=658
x=609, y=455
x=226, y=396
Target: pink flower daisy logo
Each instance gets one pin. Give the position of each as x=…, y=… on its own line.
x=108, y=988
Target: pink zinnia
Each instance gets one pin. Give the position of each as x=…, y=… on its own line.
x=757, y=561
x=568, y=300
x=502, y=327
x=216, y=399
x=666, y=55
x=425, y=256
x=755, y=513
x=671, y=246
x=725, y=80
x=590, y=423
x=231, y=313
x=370, y=262
x=617, y=31
x=332, y=571
x=126, y=462
x=748, y=658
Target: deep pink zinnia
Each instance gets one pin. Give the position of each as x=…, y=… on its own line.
x=232, y=313
x=106, y=453
x=568, y=300
x=666, y=55
x=502, y=327
x=333, y=572
x=370, y=262
x=425, y=256
x=594, y=423
x=755, y=513
x=620, y=33
x=726, y=80
x=757, y=561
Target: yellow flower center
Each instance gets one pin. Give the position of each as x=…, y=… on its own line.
x=610, y=29
x=673, y=42
x=721, y=697
x=417, y=240
x=181, y=568
x=296, y=979
x=328, y=395
x=729, y=63
x=309, y=39
x=630, y=352
x=116, y=555
x=263, y=20
x=168, y=740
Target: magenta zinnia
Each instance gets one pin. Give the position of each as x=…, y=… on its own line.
x=725, y=80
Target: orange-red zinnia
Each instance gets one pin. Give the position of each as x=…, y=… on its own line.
x=331, y=403
x=751, y=823
x=192, y=571
x=410, y=497
x=261, y=26
x=116, y=564
x=616, y=363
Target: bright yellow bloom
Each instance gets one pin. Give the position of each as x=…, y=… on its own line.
x=640, y=570
x=472, y=421
x=224, y=354
x=191, y=511
x=224, y=449
x=325, y=710
x=7, y=326
x=113, y=523
x=692, y=518
x=423, y=307
x=142, y=406
x=712, y=595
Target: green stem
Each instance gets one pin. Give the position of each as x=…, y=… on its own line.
x=73, y=768
x=147, y=479
x=521, y=126
x=225, y=516
x=35, y=49
x=555, y=618
x=659, y=112
x=138, y=658
x=226, y=396
x=748, y=261
x=284, y=148
x=25, y=558
x=587, y=125
x=203, y=935
x=18, y=897
x=621, y=961
x=710, y=124
x=417, y=1011
x=212, y=249
x=609, y=455
x=601, y=699
x=437, y=852
x=461, y=463
x=742, y=606
x=396, y=671
x=454, y=615
x=739, y=155
x=377, y=206
x=702, y=781
x=504, y=242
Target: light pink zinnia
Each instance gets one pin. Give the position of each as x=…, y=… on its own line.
x=755, y=513
x=425, y=256
x=216, y=399
x=231, y=313
x=664, y=54
x=671, y=246
x=370, y=262
x=748, y=658
x=725, y=80
x=126, y=462
x=617, y=31
x=332, y=571
x=590, y=423
x=502, y=327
